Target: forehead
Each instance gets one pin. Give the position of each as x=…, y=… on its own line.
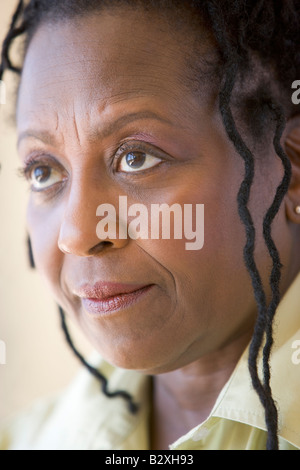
x=105, y=57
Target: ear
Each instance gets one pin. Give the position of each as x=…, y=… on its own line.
x=292, y=149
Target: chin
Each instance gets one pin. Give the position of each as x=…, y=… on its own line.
x=144, y=363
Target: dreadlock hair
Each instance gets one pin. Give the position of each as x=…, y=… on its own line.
x=269, y=30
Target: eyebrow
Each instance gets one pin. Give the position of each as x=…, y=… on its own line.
x=108, y=130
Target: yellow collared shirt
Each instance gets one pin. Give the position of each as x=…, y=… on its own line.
x=84, y=419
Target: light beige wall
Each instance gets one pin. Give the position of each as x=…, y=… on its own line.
x=38, y=361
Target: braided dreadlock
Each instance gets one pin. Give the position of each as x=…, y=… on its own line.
x=265, y=315
x=271, y=30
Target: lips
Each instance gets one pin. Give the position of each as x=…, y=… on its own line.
x=105, y=297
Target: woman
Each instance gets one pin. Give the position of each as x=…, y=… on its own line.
x=188, y=104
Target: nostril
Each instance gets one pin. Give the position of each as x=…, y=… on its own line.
x=100, y=247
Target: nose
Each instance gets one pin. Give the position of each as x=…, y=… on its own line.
x=78, y=233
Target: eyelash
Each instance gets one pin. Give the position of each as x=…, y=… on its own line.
x=36, y=161
x=136, y=146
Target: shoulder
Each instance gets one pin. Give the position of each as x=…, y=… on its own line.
x=16, y=432
x=82, y=417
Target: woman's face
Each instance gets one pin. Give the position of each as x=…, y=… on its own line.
x=105, y=111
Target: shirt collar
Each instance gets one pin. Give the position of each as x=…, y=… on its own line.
x=239, y=402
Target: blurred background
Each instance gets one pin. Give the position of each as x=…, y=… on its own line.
x=38, y=360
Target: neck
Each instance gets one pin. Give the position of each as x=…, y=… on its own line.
x=184, y=398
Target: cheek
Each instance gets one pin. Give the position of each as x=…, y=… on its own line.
x=43, y=229
x=211, y=276
x=212, y=233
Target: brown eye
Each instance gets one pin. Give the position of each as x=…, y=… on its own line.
x=42, y=177
x=41, y=174
x=137, y=161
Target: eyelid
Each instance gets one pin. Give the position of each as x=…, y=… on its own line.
x=43, y=160
x=38, y=160
x=41, y=156
x=139, y=146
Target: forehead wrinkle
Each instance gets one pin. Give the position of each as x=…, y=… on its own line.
x=153, y=79
x=95, y=133
x=122, y=121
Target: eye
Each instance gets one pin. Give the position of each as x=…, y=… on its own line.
x=42, y=177
x=135, y=161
